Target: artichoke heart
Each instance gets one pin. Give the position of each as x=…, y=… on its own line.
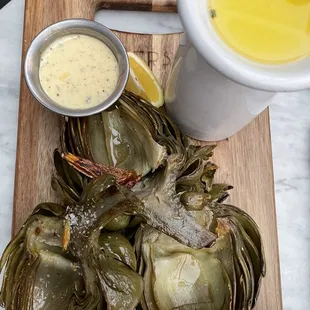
x=181, y=277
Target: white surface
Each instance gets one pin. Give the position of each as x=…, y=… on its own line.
x=290, y=123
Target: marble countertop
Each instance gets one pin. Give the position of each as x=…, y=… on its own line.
x=290, y=127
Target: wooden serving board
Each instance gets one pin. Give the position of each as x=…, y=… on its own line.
x=245, y=160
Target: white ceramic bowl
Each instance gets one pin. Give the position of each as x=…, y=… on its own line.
x=213, y=92
x=275, y=78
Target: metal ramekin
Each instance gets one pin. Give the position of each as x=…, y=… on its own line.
x=66, y=27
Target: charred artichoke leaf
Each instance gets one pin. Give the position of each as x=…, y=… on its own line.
x=208, y=175
x=197, y=176
x=94, y=170
x=179, y=277
x=200, y=154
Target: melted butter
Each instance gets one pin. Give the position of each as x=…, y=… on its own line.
x=266, y=31
x=78, y=71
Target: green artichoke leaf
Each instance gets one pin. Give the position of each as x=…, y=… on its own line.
x=245, y=263
x=118, y=223
x=248, y=225
x=115, y=245
x=76, y=137
x=128, y=144
x=72, y=177
x=55, y=282
x=38, y=274
x=145, y=234
x=256, y=262
x=193, y=201
x=249, y=257
x=219, y=192
x=66, y=193
x=15, y=257
x=223, y=250
x=153, y=118
x=208, y=175
x=48, y=208
x=97, y=139
x=181, y=277
x=107, y=260
x=102, y=201
x=57, y=277
x=121, y=285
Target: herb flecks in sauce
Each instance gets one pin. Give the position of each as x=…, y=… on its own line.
x=75, y=68
x=212, y=13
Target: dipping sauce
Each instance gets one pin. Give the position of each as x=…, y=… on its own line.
x=266, y=31
x=78, y=71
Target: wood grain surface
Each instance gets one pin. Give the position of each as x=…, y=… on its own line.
x=245, y=160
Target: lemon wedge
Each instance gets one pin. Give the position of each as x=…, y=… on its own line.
x=143, y=82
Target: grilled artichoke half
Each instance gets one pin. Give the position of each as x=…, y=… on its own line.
x=141, y=228
x=63, y=259
x=226, y=275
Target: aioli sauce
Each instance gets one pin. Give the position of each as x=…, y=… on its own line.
x=78, y=71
